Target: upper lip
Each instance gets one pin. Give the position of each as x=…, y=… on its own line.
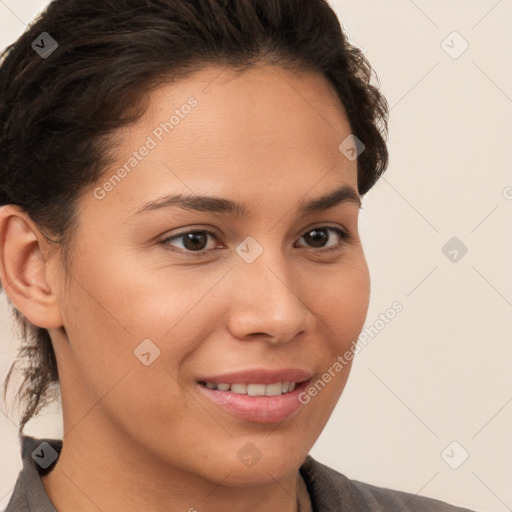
x=260, y=376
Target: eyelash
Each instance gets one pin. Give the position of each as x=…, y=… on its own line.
x=343, y=235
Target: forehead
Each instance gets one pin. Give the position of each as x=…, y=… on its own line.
x=225, y=132
x=259, y=102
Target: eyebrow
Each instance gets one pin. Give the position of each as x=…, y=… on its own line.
x=213, y=204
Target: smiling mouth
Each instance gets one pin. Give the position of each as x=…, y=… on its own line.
x=260, y=402
x=275, y=389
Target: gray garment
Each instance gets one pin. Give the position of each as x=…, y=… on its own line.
x=329, y=490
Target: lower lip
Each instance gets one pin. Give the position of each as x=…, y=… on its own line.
x=259, y=409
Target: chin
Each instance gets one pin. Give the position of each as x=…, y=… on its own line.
x=252, y=467
x=261, y=474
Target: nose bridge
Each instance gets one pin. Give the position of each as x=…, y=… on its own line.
x=267, y=302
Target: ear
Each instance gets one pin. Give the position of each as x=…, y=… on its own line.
x=27, y=266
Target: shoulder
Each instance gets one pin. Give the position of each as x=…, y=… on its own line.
x=38, y=456
x=18, y=501
x=329, y=490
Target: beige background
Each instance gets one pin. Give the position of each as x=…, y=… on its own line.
x=440, y=371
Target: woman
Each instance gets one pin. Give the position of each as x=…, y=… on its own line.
x=180, y=188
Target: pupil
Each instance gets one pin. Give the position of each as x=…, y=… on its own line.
x=193, y=240
x=319, y=237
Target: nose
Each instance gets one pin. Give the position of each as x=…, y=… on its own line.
x=267, y=304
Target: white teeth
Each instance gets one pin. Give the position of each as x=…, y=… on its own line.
x=239, y=388
x=275, y=389
x=256, y=389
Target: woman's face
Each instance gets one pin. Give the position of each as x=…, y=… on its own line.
x=150, y=314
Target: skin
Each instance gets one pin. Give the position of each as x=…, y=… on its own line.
x=266, y=137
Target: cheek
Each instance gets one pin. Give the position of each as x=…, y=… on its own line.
x=341, y=300
x=110, y=309
x=341, y=304
x=106, y=328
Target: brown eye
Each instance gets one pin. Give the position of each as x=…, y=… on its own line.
x=196, y=241
x=193, y=241
x=318, y=237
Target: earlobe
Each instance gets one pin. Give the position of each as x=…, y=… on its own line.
x=25, y=268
